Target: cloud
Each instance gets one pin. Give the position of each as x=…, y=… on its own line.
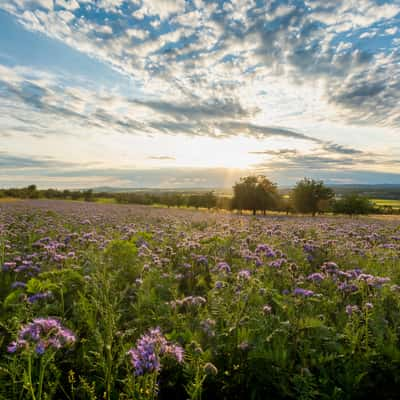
x=10, y=161
x=206, y=47
x=214, y=108
x=337, y=148
x=160, y=8
x=162, y=158
x=280, y=152
x=180, y=178
x=291, y=71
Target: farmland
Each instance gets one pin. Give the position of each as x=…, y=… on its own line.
x=107, y=301
x=395, y=204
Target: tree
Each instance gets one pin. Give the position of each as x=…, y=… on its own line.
x=209, y=200
x=32, y=192
x=267, y=194
x=254, y=193
x=88, y=195
x=310, y=196
x=353, y=204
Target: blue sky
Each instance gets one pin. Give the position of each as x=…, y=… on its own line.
x=193, y=93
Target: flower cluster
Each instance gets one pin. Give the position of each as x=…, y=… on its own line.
x=42, y=334
x=145, y=357
x=189, y=301
x=303, y=292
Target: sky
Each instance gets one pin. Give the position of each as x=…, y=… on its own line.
x=197, y=93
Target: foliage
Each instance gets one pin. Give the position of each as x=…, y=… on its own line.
x=254, y=193
x=353, y=204
x=310, y=196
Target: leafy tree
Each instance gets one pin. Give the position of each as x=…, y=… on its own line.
x=254, y=193
x=267, y=194
x=209, y=200
x=353, y=204
x=32, y=192
x=88, y=195
x=310, y=196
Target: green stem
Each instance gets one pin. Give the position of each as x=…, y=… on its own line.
x=30, y=377
x=41, y=378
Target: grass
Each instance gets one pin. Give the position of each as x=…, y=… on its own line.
x=386, y=202
x=7, y=199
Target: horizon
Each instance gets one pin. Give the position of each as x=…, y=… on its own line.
x=193, y=94
x=114, y=189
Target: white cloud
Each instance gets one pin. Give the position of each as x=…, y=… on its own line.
x=161, y=8
x=67, y=4
x=368, y=35
x=391, y=31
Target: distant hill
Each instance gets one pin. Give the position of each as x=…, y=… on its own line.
x=382, y=191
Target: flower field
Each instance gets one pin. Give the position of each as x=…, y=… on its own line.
x=104, y=301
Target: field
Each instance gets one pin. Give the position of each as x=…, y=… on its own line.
x=106, y=301
x=395, y=204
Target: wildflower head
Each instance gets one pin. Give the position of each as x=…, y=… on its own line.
x=352, y=309
x=223, y=267
x=267, y=309
x=145, y=357
x=244, y=274
x=303, y=292
x=42, y=334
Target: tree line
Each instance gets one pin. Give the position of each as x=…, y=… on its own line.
x=251, y=193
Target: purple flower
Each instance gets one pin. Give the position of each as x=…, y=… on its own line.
x=277, y=263
x=42, y=334
x=351, y=309
x=316, y=277
x=223, y=267
x=18, y=284
x=244, y=274
x=39, y=296
x=369, y=306
x=12, y=347
x=348, y=287
x=303, y=292
x=145, y=357
x=202, y=260
x=219, y=285
x=9, y=265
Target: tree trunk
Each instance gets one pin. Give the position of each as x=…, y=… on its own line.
x=254, y=211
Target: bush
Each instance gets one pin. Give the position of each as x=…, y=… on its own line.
x=353, y=204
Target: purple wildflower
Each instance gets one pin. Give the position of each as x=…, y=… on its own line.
x=42, y=334
x=316, y=277
x=9, y=265
x=223, y=267
x=303, y=292
x=277, y=263
x=347, y=287
x=219, y=285
x=39, y=296
x=351, y=309
x=244, y=274
x=18, y=284
x=145, y=357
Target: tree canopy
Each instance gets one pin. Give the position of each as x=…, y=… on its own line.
x=310, y=196
x=353, y=204
x=255, y=193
